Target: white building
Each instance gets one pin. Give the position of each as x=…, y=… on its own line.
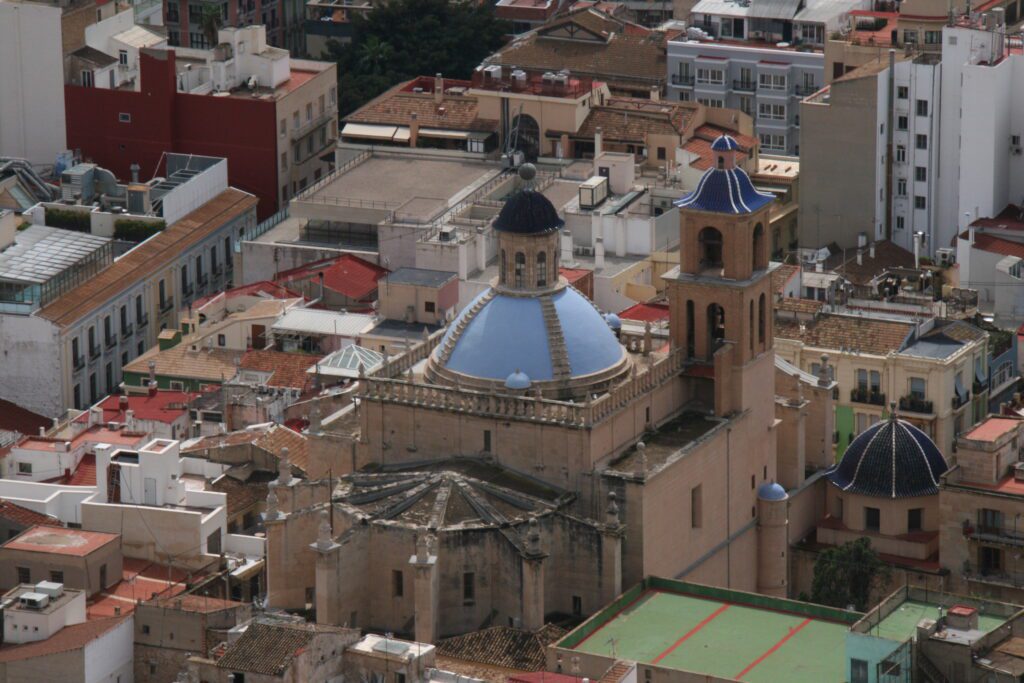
x=31, y=82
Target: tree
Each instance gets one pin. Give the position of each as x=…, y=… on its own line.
x=210, y=23
x=845, y=575
x=397, y=41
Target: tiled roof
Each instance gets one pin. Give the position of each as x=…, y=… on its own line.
x=992, y=428
x=799, y=305
x=270, y=438
x=266, y=649
x=711, y=133
x=503, y=646
x=350, y=275
x=645, y=312
x=866, y=335
x=148, y=257
x=85, y=473
x=60, y=541
x=890, y=459
x=887, y=256
x=24, y=516
x=14, y=418
x=196, y=603
x=727, y=190
x=205, y=365
x=166, y=406
x=262, y=288
x=781, y=277
x=998, y=245
x=289, y=369
x=64, y=640
x=396, y=106
x=705, y=136
x=242, y=495
x=626, y=119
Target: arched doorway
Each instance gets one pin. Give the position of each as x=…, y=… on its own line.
x=526, y=136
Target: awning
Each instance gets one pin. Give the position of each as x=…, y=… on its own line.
x=369, y=131
x=401, y=135
x=454, y=134
x=979, y=375
x=961, y=393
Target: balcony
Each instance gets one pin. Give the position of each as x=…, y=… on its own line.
x=805, y=90
x=744, y=86
x=684, y=80
x=127, y=330
x=203, y=281
x=110, y=341
x=78, y=362
x=187, y=291
x=94, y=352
x=218, y=270
x=979, y=387
x=913, y=404
x=311, y=125
x=865, y=396
x=1009, y=536
x=166, y=304
x=960, y=401
x=142, y=320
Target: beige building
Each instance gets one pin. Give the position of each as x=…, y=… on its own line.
x=85, y=560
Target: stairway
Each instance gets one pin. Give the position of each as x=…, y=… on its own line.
x=617, y=672
x=930, y=671
x=448, y=345
x=556, y=341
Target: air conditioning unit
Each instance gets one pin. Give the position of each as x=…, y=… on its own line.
x=1018, y=471
x=51, y=589
x=946, y=256
x=33, y=600
x=447, y=234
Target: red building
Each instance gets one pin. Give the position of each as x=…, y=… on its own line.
x=261, y=133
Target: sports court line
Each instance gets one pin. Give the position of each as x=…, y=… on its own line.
x=690, y=633
x=773, y=648
x=615, y=616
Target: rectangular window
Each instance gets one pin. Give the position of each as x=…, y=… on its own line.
x=577, y=605
x=747, y=105
x=429, y=306
x=710, y=76
x=696, y=514
x=468, y=587
x=899, y=222
x=772, y=142
x=920, y=174
x=902, y=123
x=990, y=520
x=24, y=468
x=920, y=202
x=858, y=671
x=487, y=441
x=295, y=119
x=902, y=92
x=122, y=57
x=901, y=154
x=872, y=519
x=334, y=96
x=222, y=340
x=57, y=576
x=921, y=141
x=712, y=102
x=914, y=519
x=283, y=127
x=397, y=584
x=771, y=81
x=934, y=38
x=321, y=105
x=309, y=112
x=901, y=187
x=917, y=388
x=910, y=37
x=922, y=107
x=775, y=112
x=24, y=575
x=88, y=79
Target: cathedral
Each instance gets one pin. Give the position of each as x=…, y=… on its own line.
x=531, y=464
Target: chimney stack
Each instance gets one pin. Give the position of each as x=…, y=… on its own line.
x=414, y=129
x=438, y=88
x=598, y=253
x=566, y=248
x=134, y=168
x=598, y=140
x=871, y=250
x=481, y=249
x=655, y=93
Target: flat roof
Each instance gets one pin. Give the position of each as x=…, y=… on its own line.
x=719, y=632
x=59, y=540
x=316, y=321
x=901, y=624
x=40, y=253
x=992, y=428
x=420, y=276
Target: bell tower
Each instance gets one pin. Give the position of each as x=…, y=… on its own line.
x=720, y=298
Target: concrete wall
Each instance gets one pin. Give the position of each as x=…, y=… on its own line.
x=109, y=658
x=29, y=372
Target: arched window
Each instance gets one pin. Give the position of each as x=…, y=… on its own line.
x=520, y=268
x=542, y=269
x=716, y=327
x=751, y=328
x=759, y=261
x=761, y=322
x=690, y=332
x=721, y=161
x=710, y=247
x=504, y=268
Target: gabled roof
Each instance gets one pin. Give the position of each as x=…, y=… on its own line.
x=397, y=105
x=646, y=312
x=888, y=255
x=997, y=245
x=267, y=649
x=94, y=56
x=203, y=365
x=263, y=288
x=349, y=275
x=781, y=277
x=504, y=646
x=288, y=369
x=628, y=119
x=866, y=335
x=164, y=406
x=14, y=418
x=23, y=516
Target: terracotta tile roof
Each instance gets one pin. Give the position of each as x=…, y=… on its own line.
x=261, y=288
x=56, y=540
x=242, y=495
x=196, y=603
x=166, y=406
x=503, y=646
x=645, y=312
x=997, y=245
x=23, y=516
x=992, y=428
x=799, y=305
x=840, y=331
x=396, y=106
x=205, y=365
x=85, y=473
x=781, y=277
x=289, y=369
x=281, y=437
x=64, y=640
x=627, y=119
x=887, y=257
x=14, y=418
x=350, y=275
x=149, y=256
x=711, y=133
x=266, y=649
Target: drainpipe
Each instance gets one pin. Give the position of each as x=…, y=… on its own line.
x=888, y=143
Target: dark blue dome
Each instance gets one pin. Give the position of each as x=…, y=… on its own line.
x=890, y=459
x=528, y=212
x=725, y=190
x=725, y=143
x=771, y=491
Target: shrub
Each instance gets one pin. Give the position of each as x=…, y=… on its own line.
x=131, y=230
x=68, y=219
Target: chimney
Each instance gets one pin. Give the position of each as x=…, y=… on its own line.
x=871, y=250
x=152, y=371
x=134, y=168
x=95, y=416
x=122, y=403
x=42, y=431
x=917, y=248
x=860, y=257
x=129, y=420
x=414, y=129
x=481, y=249
x=655, y=93
x=862, y=240
x=151, y=389
x=566, y=248
x=438, y=88
x=598, y=253
x=598, y=139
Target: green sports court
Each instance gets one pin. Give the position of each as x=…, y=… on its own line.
x=727, y=634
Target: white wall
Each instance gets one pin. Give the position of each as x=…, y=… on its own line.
x=30, y=357
x=55, y=500
x=31, y=82
x=110, y=658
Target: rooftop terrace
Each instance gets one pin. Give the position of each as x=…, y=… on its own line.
x=669, y=439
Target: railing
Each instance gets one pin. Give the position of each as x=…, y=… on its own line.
x=958, y=402
x=94, y=352
x=203, y=280
x=167, y=304
x=110, y=340
x=262, y=227
x=187, y=290
x=1004, y=535
x=874, y=398
x=142, y=320
x=744, y=86
x=307, y=194
x=683, y=80
x=979, y=387
x=805, y=90
x=311, y=125
x=127, y=331
x=78, y=362
x=916, y=405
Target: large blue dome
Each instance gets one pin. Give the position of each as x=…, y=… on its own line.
x=499, y=334
x=890, y=459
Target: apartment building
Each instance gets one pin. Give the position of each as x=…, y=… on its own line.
x=71, y=346
x=763, y=81
x=283, y=20
x=272, y=117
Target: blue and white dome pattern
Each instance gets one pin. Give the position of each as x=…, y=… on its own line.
x=890, y=459
x=509, y=335
x=725, y=143
x=725, y=190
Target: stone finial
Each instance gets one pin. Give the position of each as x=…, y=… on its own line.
x=323, y=536
x=823, y=371
x=422, y=548
x=641, y=452
x=533, y=536
x=612, y=511
x=314, y=418
x=648, y=340
x=362, y=369
x=272, y=503
x=284, y=468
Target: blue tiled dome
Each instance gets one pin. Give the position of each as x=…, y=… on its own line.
x=890, y=459
x=725, y=143
x=528, y=212
x=518, y=380
x=613, y=321
x=771, y=491
x=509, y=335
x=725, y=190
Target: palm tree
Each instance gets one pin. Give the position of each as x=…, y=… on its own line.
x=210, y=23
x=374, y=54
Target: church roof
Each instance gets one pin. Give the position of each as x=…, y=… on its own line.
x=890, y=459
x=725, y=190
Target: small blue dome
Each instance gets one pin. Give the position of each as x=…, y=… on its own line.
x=613, y=321
x=890, y=459
x=725, y=143
x=518, y=380
x=725, y=190
x=771, y=491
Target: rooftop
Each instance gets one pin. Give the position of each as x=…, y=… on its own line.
x=347, y=274
x=992, y=429
x=23, y=516
x=163, y=406
x=40, y=253
x=267, y=649
x=669, y=439
x=60, y=541
x=901, y=623
x=67, y=639
x=14, y=418
x=504, y=646
x=888, y=256
x=140, y=580
x=627, y=119
x=152, y=254
x=421, y=277
x=646, y=312
x=839, y=332
x=719, y=632
x=180, y=361
x=263, y=288
x=288, y=370
x=312, y=321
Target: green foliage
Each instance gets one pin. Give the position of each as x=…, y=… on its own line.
x=68, y=219
x=846, y=574
x=136, y=231
x=210, y=23
x=403, y=39
x=24, y=225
